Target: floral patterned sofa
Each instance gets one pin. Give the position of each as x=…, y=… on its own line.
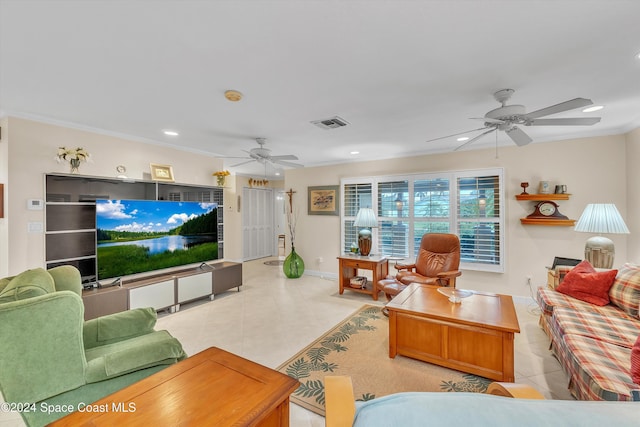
x=593, y=322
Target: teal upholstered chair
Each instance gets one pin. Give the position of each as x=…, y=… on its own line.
x=48, y=353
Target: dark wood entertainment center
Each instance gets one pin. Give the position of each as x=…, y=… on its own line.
x=70, y=238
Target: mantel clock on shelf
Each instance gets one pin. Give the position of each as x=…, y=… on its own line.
x=546, y=209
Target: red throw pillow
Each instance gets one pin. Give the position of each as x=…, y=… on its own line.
x=583, y=282
x=635, y=362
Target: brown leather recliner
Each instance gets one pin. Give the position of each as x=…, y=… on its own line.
x=437, y=264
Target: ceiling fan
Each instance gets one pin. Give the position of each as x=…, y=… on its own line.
x=506, y=117
x=263, y=155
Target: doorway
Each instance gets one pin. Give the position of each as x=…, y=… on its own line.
x=258, y=234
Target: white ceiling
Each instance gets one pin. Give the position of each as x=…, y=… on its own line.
x=400, y=72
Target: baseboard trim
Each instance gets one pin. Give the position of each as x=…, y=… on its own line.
x=322, y=274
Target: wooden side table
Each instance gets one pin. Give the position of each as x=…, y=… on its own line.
x=349, y=266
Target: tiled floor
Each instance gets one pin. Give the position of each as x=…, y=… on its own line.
x=273, y=317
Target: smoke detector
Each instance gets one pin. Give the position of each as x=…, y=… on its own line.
x=233, y=95
x=332, y=123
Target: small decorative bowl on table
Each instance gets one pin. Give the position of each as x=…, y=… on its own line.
x=455, y=295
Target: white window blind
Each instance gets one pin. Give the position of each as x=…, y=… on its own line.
x=393, y=212
x=479, y=219
x=432, y=207
x=356, y=196
x=465, y=203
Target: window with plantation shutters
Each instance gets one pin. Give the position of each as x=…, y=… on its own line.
x=393, y=212
x=356, y=196
x=431, y=208
x=464, y=203
x=479, y=219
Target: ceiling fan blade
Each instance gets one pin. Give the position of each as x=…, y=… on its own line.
x=285, y=157
x=456, y=134
x=518, y=136
x=283, y=163
x=243, y=163
x=576, y=121
x=475, y=138
x=559, y=108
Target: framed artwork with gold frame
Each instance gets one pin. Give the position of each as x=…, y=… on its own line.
x=161, y=172
x=324, y=200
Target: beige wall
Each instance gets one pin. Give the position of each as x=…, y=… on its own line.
x=633, y=194
x=593, y=169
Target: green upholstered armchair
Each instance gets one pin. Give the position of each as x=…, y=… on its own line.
x=48, y=352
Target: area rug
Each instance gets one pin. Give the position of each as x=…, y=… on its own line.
x=359, y=347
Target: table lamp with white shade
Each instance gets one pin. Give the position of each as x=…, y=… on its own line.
x=601, y=218
x=365, y=218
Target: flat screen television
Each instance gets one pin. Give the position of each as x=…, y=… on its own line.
x=137, y=236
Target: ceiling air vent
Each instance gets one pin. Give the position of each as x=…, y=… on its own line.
x=332, y=123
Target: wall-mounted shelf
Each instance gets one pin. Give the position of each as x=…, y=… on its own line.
x=563, y=221
x=553, y=222
x=539, y=197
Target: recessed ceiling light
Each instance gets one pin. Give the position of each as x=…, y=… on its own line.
x=462, y=138
x=354, y=152
x=170, y=132
x=277, y=173
x=592, y=109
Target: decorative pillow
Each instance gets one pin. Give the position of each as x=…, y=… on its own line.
x=635, y=362
x=583, y=282
x=625, y=292
x=28, y=284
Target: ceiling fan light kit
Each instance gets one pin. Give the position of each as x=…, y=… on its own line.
x=506, y=118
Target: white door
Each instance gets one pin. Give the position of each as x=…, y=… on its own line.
x=257, y=223
x=279, y=220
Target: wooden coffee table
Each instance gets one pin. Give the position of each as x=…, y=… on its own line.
x=475, y=336
x=211, y=388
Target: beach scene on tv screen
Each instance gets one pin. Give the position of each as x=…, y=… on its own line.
x=137, y=236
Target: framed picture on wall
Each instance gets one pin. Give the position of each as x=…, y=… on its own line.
x=324, y=200
x=161, y=172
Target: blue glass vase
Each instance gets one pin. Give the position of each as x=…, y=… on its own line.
x=293, y=266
